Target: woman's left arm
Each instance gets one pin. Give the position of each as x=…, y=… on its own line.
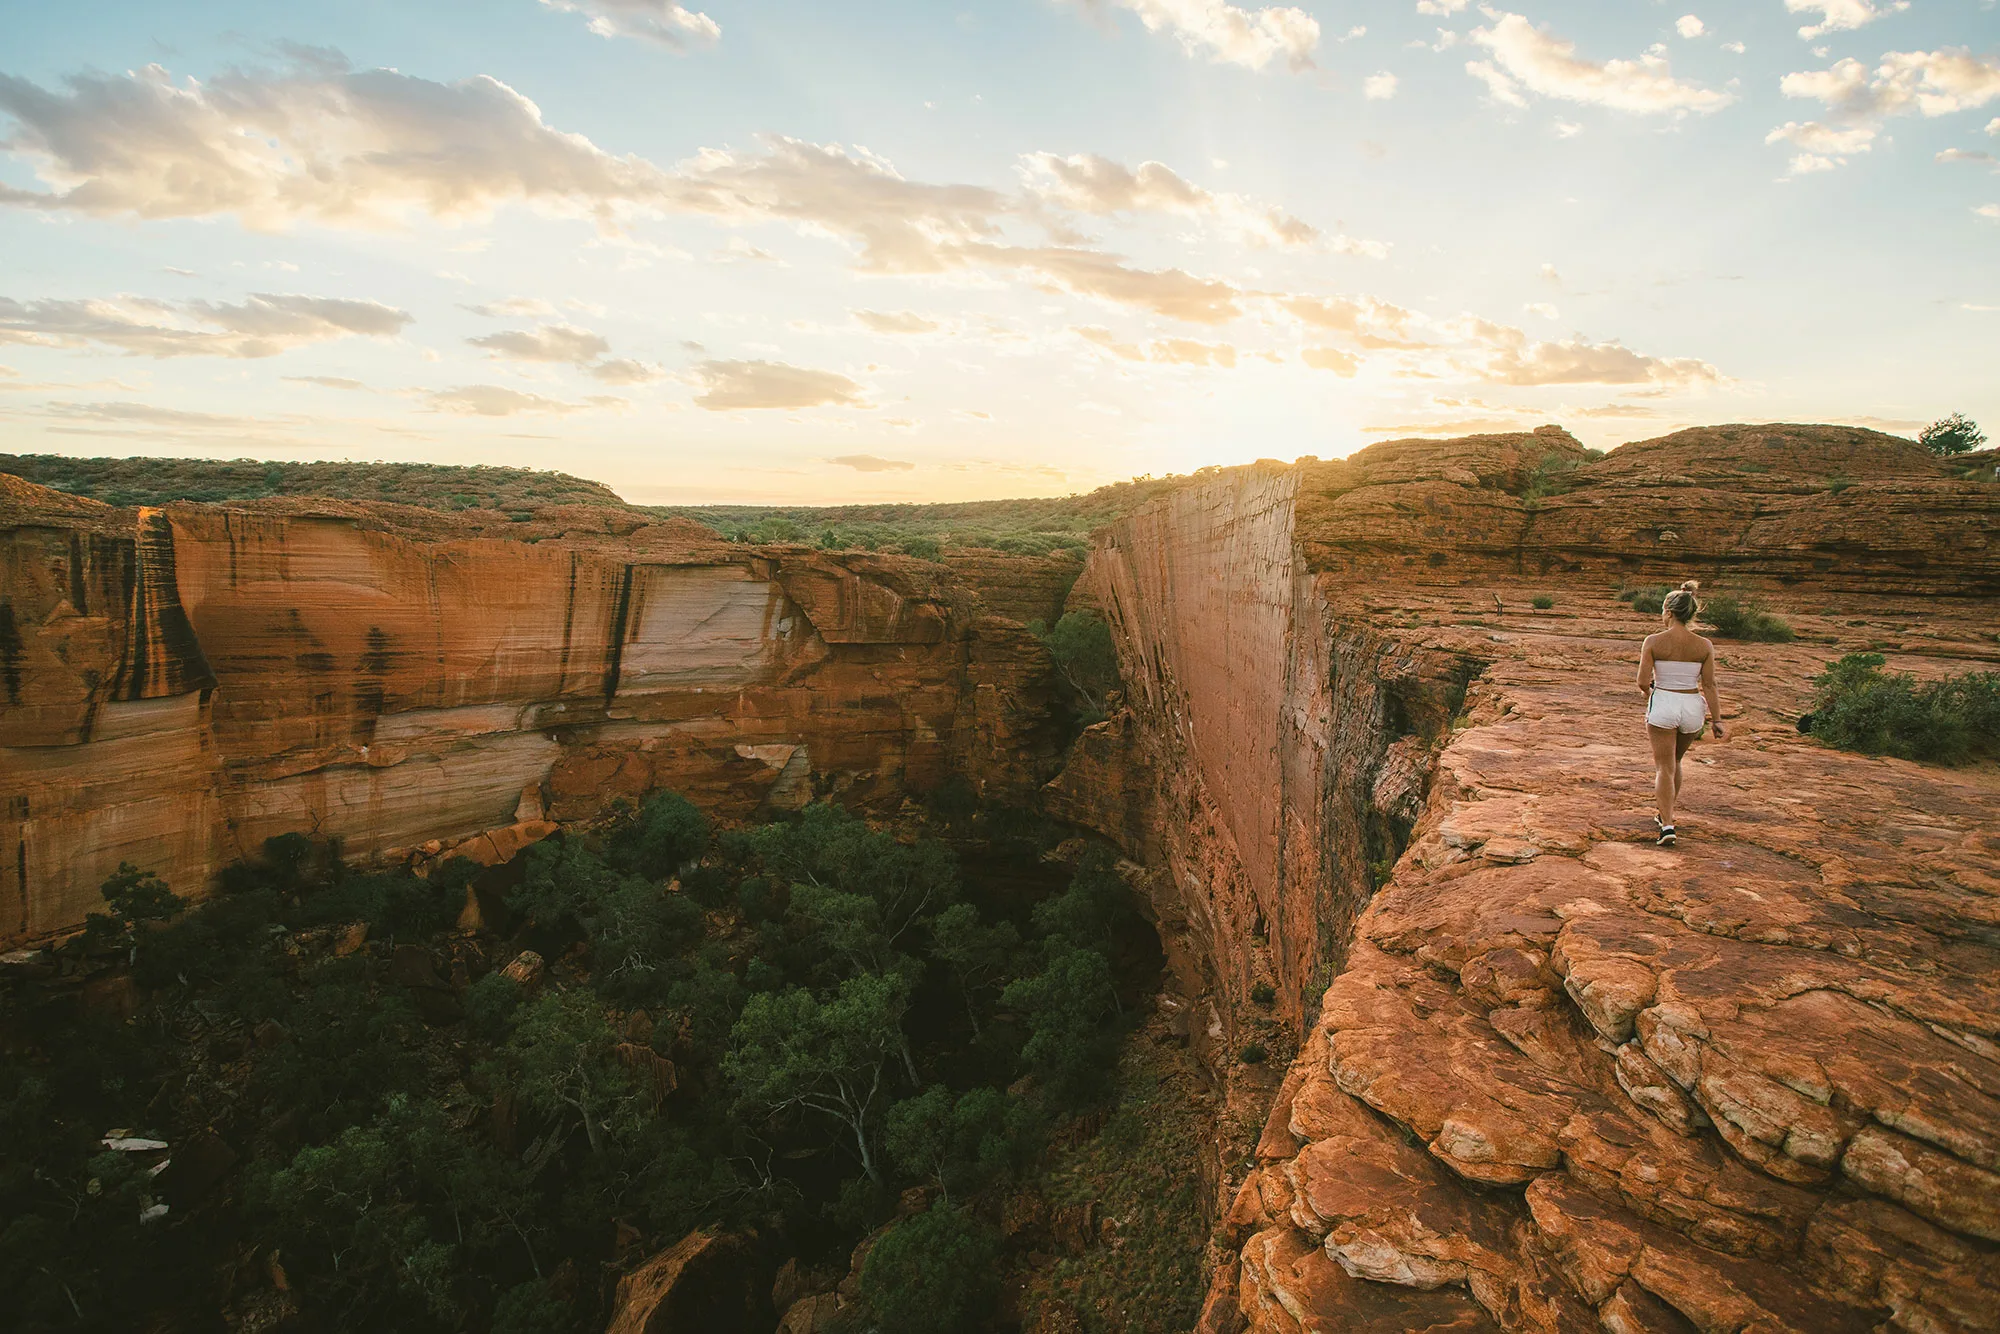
x=1646, y=667
x=1708, y=690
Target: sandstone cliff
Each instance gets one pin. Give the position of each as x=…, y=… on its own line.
x=178, y=685
x=1551, y=1077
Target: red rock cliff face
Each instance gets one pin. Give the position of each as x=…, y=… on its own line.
x=180, y=685
x=1562, y=1079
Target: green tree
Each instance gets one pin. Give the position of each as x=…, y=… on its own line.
x=1085, y=655
x=1956, y=434
x=829, y=848
x=959, y=1142
x=1066, y=1005
x=561, y=1062
x=665, y=836
x=790, y=1050
x=936, y=1273
x=1088, y=911
x=980, y=957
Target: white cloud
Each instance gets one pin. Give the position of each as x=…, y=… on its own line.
x=1734, y=48
x=1331, y=359
x=1379, y=87
x=1822, y=147
x=1544, y=63
x=1441, y=6
x=1993, y=126
x=1988, y=211
x=1162, y=351
x=490, y=400
x=1169, y=292
x=1226, y=33
x=1962, y=155
x=1935, y=83
x=1841, y=15
x=1543, y=309
x=263, y=325
x=1568, y=129
x=660, y=22
x=870, y=463
x=1690, y=27
x=1090, y=184
x=513, y=305
x=1498, y=86
x=730, y=385
x=551, y=342
x=623, y=370
x=1514, y=360
x=896, y=321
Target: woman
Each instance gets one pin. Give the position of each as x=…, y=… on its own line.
x=1677, y=676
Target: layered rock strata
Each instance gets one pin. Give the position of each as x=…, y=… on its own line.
x=178, y=685
x=1562, y=1079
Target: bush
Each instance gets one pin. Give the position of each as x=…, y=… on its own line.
x=1542, y=602
x=668, y=834
x=1745, y=618
x=1253, y=1053
x=936, y=1273
x=1953, y=435
x=923, y=548
x=1648, y=599
x=1263, y=994
x=1081, y=645
x=1858, y=706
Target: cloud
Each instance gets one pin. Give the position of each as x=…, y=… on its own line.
x=514, y=305
x=895, y=321
x=1989, y=211
x=1379, y=87
x=1544, y=63
x=263, y=325
x=870, y=463
x=1859, y=99
x=317, y=142
x=149, y=414
x=1331, y=359
x=551, y=342
x=1935, y=83
x=1841, y=15
x=623, y=370
x=490, y=400
x=660, y=22
x=729, y=385
x=1517, y=361
x=1363, y=315
x=1822, y=147
x=1735, y=48
x=1087, y=183
x=1169, y=292
x=1441, y=6
x=1227, y=34
x=1543, y=309
x=1498, y=86
x=1963, y=155
x=1690, y=27
x=327, y=381
x=1163, y=351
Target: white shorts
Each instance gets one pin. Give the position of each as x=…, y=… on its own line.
x=1669, y=708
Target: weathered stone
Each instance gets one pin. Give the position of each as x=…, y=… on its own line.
x=705, y=1281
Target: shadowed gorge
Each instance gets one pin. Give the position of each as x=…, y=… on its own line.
x=1463, y=1048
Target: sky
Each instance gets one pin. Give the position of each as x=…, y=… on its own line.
x=766, y=251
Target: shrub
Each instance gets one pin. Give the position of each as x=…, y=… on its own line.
x=1838, y=483
x=668, y=834
x=1263, y=993
x=1253, y=1053
x=1542, y=602
x=1745, y=618
x=1081, y=645
x=923, y=548
x=1953, y=435
x=1648, y=599
x=1858, y=706
x=935, y=1272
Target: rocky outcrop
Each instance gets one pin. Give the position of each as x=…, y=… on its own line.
x=1550, y=1076
x=178, y=685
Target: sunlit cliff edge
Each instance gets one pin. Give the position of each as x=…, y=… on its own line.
x=1547, y=1076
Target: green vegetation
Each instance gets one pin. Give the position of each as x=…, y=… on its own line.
x=1648, y=599
x=780, y=1028
x=1745, y=618
x=1550, y=477
x=1858, y=706
x=1056, y=525
x=1263, y=994
x=1253, y=1053
x=1541, y=602
x=1955, y=434
x=1085, y=657
x=433, y=485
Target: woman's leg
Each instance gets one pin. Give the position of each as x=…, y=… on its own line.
x=1665, y=763
x=1681, y=743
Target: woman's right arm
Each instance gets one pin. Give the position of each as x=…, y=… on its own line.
x=1646, y=666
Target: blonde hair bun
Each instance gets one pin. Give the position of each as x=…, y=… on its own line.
x=1692, y=585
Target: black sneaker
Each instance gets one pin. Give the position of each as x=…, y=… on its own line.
x=1666, y=834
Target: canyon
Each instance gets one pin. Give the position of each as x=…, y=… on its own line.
x=1390, y=818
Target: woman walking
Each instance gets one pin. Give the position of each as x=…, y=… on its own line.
x=1677, y=676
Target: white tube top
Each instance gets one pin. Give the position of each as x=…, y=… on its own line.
x=1676, y=675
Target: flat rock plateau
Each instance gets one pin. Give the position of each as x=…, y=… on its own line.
x=1531, y=1071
